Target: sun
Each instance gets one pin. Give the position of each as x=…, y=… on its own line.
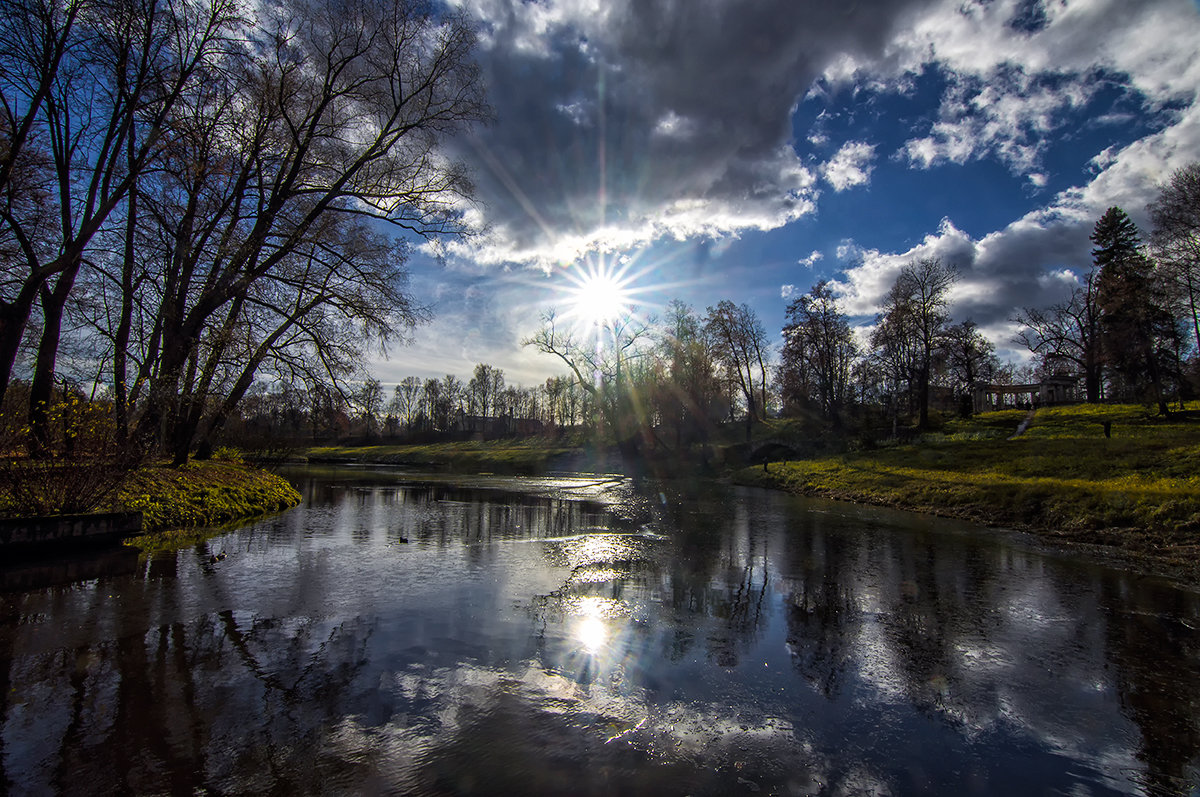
x=599, y=296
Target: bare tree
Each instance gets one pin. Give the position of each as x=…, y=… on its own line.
x=912, y=321
x=892, y=363
x=88, y=91
x=336, y=114
x=406, y=400
x=431, y=398
x=688, y=386
x=369, y=398
x=1068, y=334
x=969, y=358
x=452, y=397
x=1175, y=238
x=818, y=352
x=600, y=366
x=484, y=388
x=741, y=346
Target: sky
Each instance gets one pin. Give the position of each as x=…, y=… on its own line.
x=725, y=149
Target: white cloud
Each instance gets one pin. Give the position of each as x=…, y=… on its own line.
x=1009, y=87
x=1006, y=113
x=850, y=166
x=1008, y=93
x=1150, y=41
x=620, y=122
x=1038, y=258
x=1102, y=159
x=578, y=111
x=672, y=125
x=811, y=260
x=689, y=160
x=786, y=192
x=786, y=291
x=848, y=250
x=863, y=286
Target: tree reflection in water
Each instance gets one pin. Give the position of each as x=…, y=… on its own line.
x=581, y=637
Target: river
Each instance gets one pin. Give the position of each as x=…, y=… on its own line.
x=401, y=634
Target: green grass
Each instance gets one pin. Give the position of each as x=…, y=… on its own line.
x=203, y=494
x=1138, y=489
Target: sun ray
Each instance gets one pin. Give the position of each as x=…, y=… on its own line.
x=599, y=294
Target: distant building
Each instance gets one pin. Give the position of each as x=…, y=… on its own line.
x=1058, y=389
x=497, y=427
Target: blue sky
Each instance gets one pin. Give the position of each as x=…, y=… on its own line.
x=718, y=149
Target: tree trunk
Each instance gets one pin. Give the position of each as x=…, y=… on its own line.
x=14, y=316
x=1091, y=382
x=41, y=388
x=923, y=401
x=124, y=327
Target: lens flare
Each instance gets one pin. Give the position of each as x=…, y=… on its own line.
x=599, y=295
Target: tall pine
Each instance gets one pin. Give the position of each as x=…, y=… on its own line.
x=1138, y=334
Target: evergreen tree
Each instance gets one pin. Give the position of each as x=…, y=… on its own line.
x=1138, y=333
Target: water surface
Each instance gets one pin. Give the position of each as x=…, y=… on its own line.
x=397, y=634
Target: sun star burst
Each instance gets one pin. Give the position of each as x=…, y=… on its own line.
x=599, y=295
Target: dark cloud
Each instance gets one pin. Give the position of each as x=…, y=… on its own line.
x=1031, y=263
x=1025, y=267
x=653, y=118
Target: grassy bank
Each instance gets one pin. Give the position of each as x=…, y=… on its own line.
x=496, y=456
x=203, y=494
x=1137, y=491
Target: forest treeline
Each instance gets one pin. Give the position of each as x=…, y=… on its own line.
x=1129, y=331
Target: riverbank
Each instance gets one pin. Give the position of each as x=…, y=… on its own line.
x=1135, y=493
x=78, y=504
x=203, y=494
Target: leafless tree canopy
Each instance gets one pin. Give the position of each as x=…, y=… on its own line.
x=1175, y=239
x=203, y=185
x=910, y=327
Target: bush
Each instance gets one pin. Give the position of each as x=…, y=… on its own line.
x=48, y=487
x=80, y=467
x=227, y=454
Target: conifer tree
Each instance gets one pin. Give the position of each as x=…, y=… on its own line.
x=1138, y=333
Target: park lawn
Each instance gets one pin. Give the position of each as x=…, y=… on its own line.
x=1138, y=490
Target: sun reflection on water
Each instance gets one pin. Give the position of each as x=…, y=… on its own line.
x=590, y=628
x=592, y=621
x=592, y=634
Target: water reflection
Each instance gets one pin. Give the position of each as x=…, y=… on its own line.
x=598, y=637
